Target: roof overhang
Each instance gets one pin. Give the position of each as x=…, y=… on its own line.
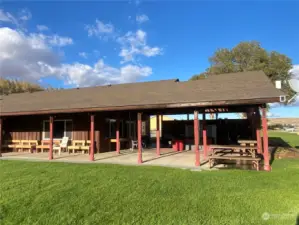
x=145, y=107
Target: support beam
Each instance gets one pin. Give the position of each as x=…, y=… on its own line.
x=51, y=124
x=158, y=135
x=91, y=153
x=267, y=166
x=139, y=135
x=117, y=137
x=204, y=136
x=196, y=138
x=1, y=127
x=258, y=140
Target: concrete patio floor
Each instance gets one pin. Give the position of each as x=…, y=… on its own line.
x=168, y=158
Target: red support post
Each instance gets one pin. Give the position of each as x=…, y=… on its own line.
x=204, y=136
x=267, y=166
x=258, y=140
x=139, y=128
x=117, y=137
x=51, y=138
x=196, y=138
x=158, y=134
x=1, y=123
x=91, y=153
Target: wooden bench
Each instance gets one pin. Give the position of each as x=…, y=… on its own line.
x=11, y=144
x=255, y=161
x=26, y=145
x=79, y=145
x=45, y=145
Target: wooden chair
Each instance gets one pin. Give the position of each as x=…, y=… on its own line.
x=61, y=146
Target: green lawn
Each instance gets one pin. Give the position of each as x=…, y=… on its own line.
x=60, y=193
x=290, y=139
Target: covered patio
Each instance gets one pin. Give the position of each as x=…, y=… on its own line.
x=167, y=158
x=107, y=128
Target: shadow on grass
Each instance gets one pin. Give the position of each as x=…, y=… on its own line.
x=275, y=143
x=297, y=220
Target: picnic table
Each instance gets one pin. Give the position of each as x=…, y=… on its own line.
x=234, y=152
x=237, y=149
x=247, y=142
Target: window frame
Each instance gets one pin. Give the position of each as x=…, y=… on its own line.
x=121, y=126
x=64, y=132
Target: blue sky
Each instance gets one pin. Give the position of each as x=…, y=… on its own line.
x=94, y=43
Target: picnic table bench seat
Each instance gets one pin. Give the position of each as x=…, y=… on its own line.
x=255, y=161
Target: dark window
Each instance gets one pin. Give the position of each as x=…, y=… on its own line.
x=61, y=128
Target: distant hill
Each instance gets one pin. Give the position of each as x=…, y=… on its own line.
x=293, y=121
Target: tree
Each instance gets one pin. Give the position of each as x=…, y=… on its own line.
x=15, y=86
x=250, y=56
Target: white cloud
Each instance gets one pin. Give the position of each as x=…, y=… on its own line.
x=100, y=73
x=100, y=29
x=134, y=44
x=31, y=57
x=20, y=54
x=25, y=15
x=83, y=55
x=42, y=28
x=7, y=17
x=22, y=17
x=142, y=18
x=60, y=41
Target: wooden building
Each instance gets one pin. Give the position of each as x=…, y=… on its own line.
x=107, y=115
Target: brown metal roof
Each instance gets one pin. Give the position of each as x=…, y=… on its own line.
x=224, y=89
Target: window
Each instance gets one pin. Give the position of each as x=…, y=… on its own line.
x=143, y=128
x=131, y=129
x=62, y=128
x=112, y=128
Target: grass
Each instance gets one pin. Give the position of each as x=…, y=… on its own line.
x=284, y=138
x=60, y=193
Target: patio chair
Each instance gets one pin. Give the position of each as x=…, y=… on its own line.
x=63, y=145
x=135, y=144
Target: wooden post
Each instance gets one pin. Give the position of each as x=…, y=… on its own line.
x=267, y=166
x=51, y=124
x=158, y=134
x=117, y=137
x=1, y=123
x=258, y=130
x=91, y=153
x=139, y=135
x=258, y=140
x=204, y=135
x=196, y=138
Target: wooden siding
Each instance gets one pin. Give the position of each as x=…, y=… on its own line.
x=31, y=127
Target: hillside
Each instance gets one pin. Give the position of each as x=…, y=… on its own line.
x=293, y=121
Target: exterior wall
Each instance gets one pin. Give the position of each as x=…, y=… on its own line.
x=153, y=123
x=31, y=127
x=227, y=131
